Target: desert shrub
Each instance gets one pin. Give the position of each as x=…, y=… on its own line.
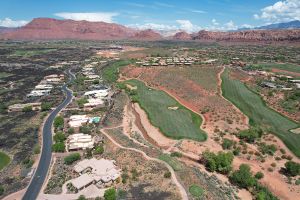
x=58, y=122
x=292, y=168
x=28, y=162
x=237, y=151
x=82, y=197
x=176, y=154
x=1, y=190
x=110, y=194
x=36, y=149
x=227, y=143
x=45, y=106
x=220, y=162
x=270, y=169
x=85, y=129
x=251, y=134
x=88, y=153
x=99, y=149
x=58, y=147
x=27, y=109
x=262, y=193
x=273, y=164
x=259, y=175
x=267, y=148
x=167, y=175
x=125, y=177
x=282, y=151
x=243, y=177
x=70, y=131
x=81, y=102
x=68, y=160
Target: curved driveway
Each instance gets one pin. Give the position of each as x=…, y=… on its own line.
x=40, y=174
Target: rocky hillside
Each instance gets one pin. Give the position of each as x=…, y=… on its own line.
x=182, y=36
x=146, y=35
x=245, y=36
x=47, y=28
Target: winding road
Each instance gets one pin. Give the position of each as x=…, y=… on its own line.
x=41, y=172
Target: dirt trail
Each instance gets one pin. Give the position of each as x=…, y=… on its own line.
x=173, y=176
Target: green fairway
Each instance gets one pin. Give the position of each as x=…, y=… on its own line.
x=111, y=73
x=178, y=123
x=254, y=107
x=287, y=67
x=4, y=160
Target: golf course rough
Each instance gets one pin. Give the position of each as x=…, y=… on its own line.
x=252, y=105
x=177, y=124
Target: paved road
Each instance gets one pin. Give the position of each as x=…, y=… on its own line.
x=39, y=177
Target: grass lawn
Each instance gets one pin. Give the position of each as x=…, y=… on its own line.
x=196, y=191
x=4, y=160
x=176, y=124
x=254, y=107
x=287, y=67
x=111, y=73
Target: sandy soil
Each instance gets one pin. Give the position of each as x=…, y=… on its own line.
x=286, y=72
x=152, y=131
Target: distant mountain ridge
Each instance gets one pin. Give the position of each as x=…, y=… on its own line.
x=286, y=25
x=54, y=29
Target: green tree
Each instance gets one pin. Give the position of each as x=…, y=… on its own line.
x=58, y=147
x=220, y=162
x=46, y=106
x=71, y=131
x=251, y=134
x=227, y=143
x=1, y=190
x=292, y=168
x=58, y=122
x=59, y=137
x=243, y=177
x=81, y=197
x=99, y=149
x=27, y=109
x=110, y=194
x=85, y=129
x=36, y=149
x=259, y=175
x=70, y=159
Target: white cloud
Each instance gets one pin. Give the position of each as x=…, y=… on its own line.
x=163, y=5
x=92, y=17
x=247, y=26
x=184, y=25
x=230, y=25
x=198, y=11
x=281, y=11
x=225, y=27
x=187, y=26
x=154, y=26
x=214, y=22
x=7, y=22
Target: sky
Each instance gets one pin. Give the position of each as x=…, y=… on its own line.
x=168, y=15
